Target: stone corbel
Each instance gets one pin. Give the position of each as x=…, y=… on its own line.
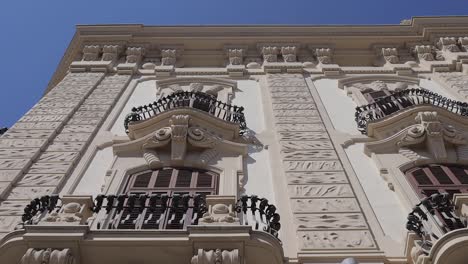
x=169, y=60
x=48, y=256
x=289, y=53
x=235, y=54
x=91, y=52
x=461, y=205
x=111, y=52
x=463, y=41
x=448, y=44
x=75, y=210
x=270, y=53
x=428, y=53
x=390, y=55
x=324, y=55
x=221, y=211
x=216, y=256
x=134, y=56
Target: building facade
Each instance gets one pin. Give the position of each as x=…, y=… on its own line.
x=244, y=144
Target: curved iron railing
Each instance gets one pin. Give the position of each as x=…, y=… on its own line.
x=155, y=211
x=403, y=99
x=197, y=100
x=441, y=208
x=38, y=207
x=259, y=214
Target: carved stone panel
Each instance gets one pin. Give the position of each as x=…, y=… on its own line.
x=18, y=153
x=41, y=126
x=336, y=240
x=290, y=94
x=43, y=118
x=58, y=156
x=300, y=127
x=292, y=113
x=9, y=175
x=308, y=154
x=47, y=167
x=41, y=179
x=275, y=89
x=292, y=100
x=28, y=133
x=316, y=177
x=79, y=128
x=8, y=164
x=30, y=193
x=8, y=223
x=325, y=205
x=311, y=145
x=298, y=135
x=336, y=190
x=330, y=221
x=50, y=111
x=12, y=207
x=22, y=143
x=292, y=107
x=84, y=121
x=72, y=137
x=297, y=119
x=312, y=165
x=66, y=146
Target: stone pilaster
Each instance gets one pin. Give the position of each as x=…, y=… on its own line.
x=40, y=151
x=325, y=209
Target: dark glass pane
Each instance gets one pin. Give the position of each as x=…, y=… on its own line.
x=378, y=94
x=421, y=177
x=440, y=175
x=184, y=177
x=460, y=173
x=163, y=179
x=142, y=180
x=452, y=192
x=204, y=180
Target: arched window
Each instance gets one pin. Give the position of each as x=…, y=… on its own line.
x=171, y=192
x=429, y=179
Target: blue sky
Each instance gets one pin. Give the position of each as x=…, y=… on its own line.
x=35, y=34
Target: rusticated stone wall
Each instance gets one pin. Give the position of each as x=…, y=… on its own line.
x=325, y=210
x=39, y=152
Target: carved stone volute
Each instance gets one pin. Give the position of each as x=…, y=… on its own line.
x=216, y=256
x=179, y=127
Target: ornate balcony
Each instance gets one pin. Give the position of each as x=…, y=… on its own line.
x=191, y=100
x=431, y=219
x=156, y=212
x=391, y=104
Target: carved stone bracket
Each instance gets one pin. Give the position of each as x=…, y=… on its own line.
x=48, y=256
x=75, y=210
x=168, y=57
x=428, y=130
x=220, y=211
x=289, y=53
x=448, y=44
x=427, y=53
x=91, y=52
x=324, y=55
x=111, y=52
x=236, y=56
x=216, y=256
x=270, y=53
x=135, y=54
x=463, y=43
x=390, y=55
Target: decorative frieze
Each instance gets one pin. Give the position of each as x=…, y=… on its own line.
x=320, y=194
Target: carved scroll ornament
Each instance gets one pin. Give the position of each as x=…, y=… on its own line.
x=216, y=256
x=48, y=256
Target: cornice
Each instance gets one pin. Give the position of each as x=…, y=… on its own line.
x=204, y=46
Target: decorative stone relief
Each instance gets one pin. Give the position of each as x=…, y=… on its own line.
x=236, y=56
x=220, y=211
x=48, y=256
x=75, y=210
x=319, y=191
x=336, y=239
x=111, y=52
x=456, y=81
x=270, y=53
x=135, y=54
x=448, y=44
x=427, y=53
x=289, y=53
x=390, y=55
x=168, y=57
x=91, y=52
x=324, y=55
x=463, y=43
x=216, y=256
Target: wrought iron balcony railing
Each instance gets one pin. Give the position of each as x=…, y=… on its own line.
x=157, y=211
x=258, y=213
x=196, y=100
x=433, y=217
x=401, y=100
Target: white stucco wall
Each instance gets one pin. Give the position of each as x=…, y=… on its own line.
x=94, y=177
x=385, y=203
x=258, y=174
x=340, y=107
x=144, y=93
